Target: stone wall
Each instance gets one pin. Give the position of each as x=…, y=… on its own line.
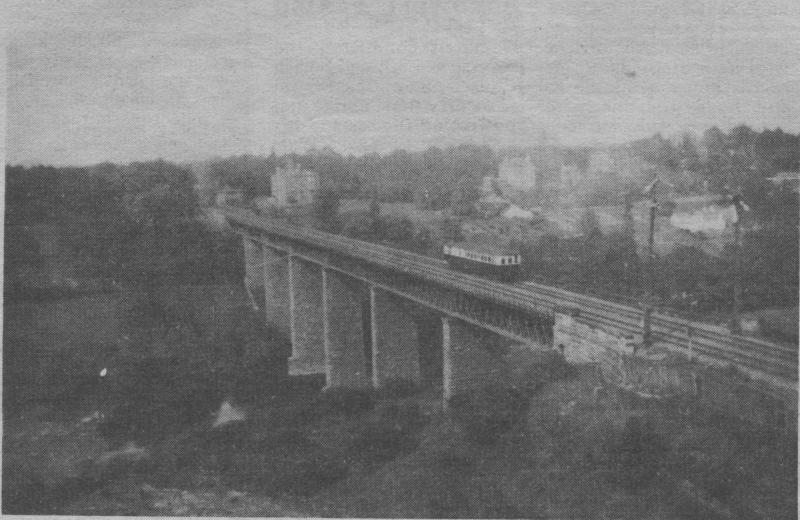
x=581, y=343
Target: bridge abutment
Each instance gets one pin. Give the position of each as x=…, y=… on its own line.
x=395, y=343
x=346, y=364
x=473, y=358
x=306, y=318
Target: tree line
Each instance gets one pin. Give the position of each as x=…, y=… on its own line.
x=446, y=177
x=135, y=224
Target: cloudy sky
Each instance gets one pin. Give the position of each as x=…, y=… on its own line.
x=122, y=80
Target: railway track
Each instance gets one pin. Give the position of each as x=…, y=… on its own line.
x=689, y=337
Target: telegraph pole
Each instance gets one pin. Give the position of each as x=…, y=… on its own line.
x=651, y=272
x=739, y=208
x=647, y=332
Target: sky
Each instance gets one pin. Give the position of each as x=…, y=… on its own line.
x=121, y=81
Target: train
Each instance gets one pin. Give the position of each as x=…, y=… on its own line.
x=486, y=258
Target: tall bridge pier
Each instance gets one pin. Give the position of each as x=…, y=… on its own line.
x=395, y=340
x=306, y=318
x=473, y=358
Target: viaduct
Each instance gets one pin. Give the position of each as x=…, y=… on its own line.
x=357, y=312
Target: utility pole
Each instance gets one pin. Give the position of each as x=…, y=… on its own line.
x=739, y=208
x=651, y=273
x=649, y=298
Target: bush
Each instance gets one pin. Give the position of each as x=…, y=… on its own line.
x=392, y=432
x=488, y=413
x=638, y=454
x=397, y=387
x=300, y=468
x=349, y=401
x=160, y=395
x=453, y=462
x=310, y=476
x=379, y=442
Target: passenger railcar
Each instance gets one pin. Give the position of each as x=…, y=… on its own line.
x=485, y=259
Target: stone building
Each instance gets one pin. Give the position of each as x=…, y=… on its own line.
x=294, y=186
x=518, y=172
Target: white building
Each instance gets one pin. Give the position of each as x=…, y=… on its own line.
x=790, y=180
x=229, y=196
x=600, y=162
x=514, y=211
x=294, y=186
x=518, y=172
x=487, y=185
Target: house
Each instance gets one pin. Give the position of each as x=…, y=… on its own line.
x=518, y=172
x=790, y=180
x=228, y=196
x=515, y=211
x=294, y=186
x=702, y=214
x=491, y=204
x=488, y=185
x=600, y=163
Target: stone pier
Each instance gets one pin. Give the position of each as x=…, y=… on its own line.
x=306, y=318
x=253, y=278
x=473, y=358
x=276, y=290
x=395, y=345
x=346, y=364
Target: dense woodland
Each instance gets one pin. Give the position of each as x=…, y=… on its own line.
x=137, y=224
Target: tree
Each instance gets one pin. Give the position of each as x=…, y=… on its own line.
x=22, y=252
x=397, y=230
x=326, y=210
x=588, y=223
x=689, y=155
x=464, y=197
x=451, y=230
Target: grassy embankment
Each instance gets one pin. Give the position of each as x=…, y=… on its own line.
x=574, y=451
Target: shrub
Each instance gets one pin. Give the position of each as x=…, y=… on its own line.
x=349, y=401
x=638, y=453
x=397, y=387
x=489, y=412
x=448, y=504
x=310, y=476
x=392, y=432
x=160, y=395
x=453, y=462
x=283, y=462
x=379, y=442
